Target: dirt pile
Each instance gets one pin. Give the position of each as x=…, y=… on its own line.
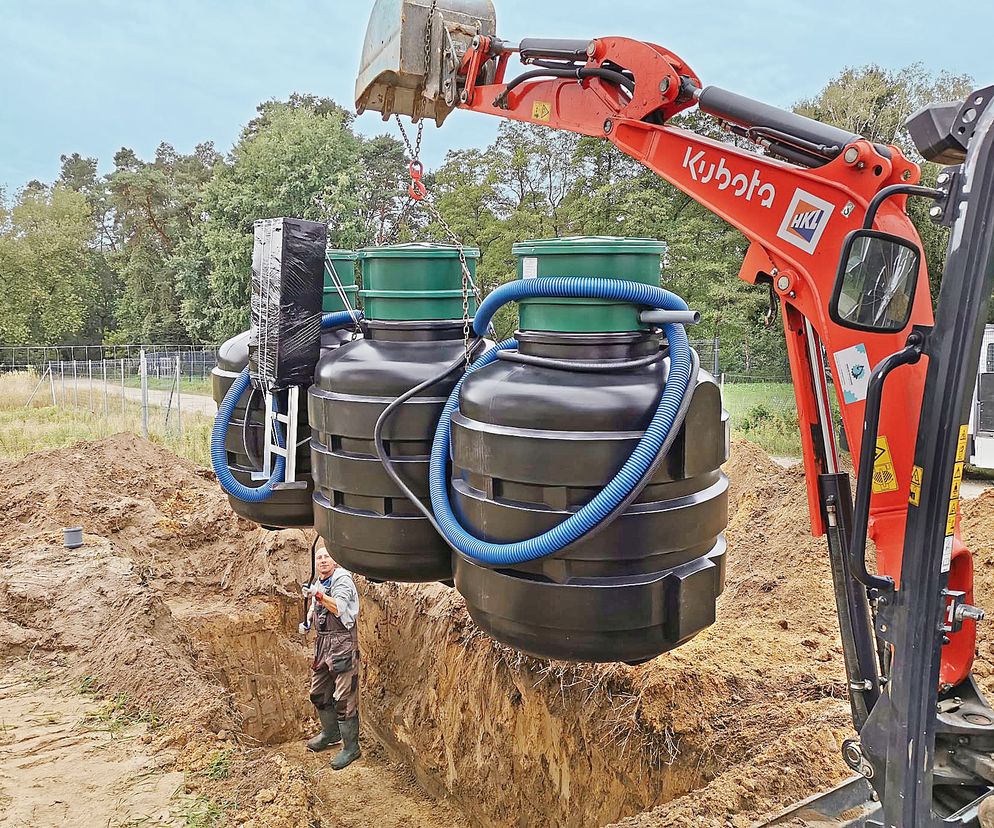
x=128, y=605
x=745, y=718
x=192, y=613
x=182, y=613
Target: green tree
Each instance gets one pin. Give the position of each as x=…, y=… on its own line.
x=876, y=102
x=154, y=211
x=297, y=158
x=48, y=282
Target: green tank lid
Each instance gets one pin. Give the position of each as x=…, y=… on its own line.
x=342, y=262
x=605, y=257
x=415, y=281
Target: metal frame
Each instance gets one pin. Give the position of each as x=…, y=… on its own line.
x=902, y=733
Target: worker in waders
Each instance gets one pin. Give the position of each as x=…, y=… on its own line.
x=335, y=671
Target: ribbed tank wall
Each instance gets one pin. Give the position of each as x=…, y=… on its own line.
x=531, y=445
x=365, y=519
x=244, y=444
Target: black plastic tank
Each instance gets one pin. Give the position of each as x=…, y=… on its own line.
x=533, y=444
x=413, y=330
x=244, y=444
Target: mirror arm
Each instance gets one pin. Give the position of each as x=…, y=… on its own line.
x=893, y=190
x=909, y=355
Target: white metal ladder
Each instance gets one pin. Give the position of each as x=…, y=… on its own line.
x=288, y=451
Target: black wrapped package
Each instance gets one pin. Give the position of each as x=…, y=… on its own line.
x=287, y=281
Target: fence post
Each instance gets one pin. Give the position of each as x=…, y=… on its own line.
x=143, y=370
x=103, y=363
x=179, y=407
x=123, y=407
x=89, y=379
x=717, y=346
x=51, y=382
x=75, y=381
x=62, y=377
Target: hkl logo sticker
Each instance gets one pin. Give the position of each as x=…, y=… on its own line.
x=805, y=221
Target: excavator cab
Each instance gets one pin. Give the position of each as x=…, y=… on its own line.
x=412, y=54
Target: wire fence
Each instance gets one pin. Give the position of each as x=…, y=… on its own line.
x=168, y=381
x=196, y=361
x=157, y=382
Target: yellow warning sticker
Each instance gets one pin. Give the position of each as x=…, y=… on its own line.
x=917, y=473
x=884, y=476
x=541, y=111
x=957, y=482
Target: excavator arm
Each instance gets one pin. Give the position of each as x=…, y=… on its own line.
x=799, y=198
x=795, y=203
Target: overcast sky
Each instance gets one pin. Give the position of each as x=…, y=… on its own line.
x=93, y=75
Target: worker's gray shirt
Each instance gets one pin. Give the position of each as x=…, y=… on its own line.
x=343, y=592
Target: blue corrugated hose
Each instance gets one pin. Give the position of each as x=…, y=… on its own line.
x=225, y=411
x=582, y=521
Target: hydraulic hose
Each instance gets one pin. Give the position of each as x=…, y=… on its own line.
x=631, y=473
x=381, y=421
x=222, y=422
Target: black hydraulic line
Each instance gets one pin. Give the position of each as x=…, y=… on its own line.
x=608, y=75
x=581, y=365
x=909, y=355
x=579, y=73
x=775, y=135
x=788, y=152
x=855, y=627
x=893, y=190
x=381, y=421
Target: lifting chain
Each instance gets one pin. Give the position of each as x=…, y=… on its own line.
x=418, y=193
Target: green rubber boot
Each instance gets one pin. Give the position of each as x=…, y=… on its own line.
x=350, y=749
x=329, y=735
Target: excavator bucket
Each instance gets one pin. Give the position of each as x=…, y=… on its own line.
x=395, y=77
x=849, y=805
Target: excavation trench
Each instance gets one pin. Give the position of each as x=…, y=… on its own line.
x=185, y=610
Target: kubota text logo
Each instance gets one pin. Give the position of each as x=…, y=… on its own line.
x=805, y=221
x=705, y=170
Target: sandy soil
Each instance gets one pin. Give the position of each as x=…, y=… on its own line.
x=65, y=761
x=187, y=616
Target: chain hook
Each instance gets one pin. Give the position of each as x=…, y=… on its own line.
x=416, y=189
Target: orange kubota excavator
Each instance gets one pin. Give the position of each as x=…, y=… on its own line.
x=824, y=210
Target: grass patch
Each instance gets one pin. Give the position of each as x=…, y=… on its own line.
x=87, y=686
x=117, y=714
x=201, y=812
x=41, y=426
x=766, y=414
x=219, y=764
x=188, y=385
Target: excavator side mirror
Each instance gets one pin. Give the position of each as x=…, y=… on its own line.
x=875, y=286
